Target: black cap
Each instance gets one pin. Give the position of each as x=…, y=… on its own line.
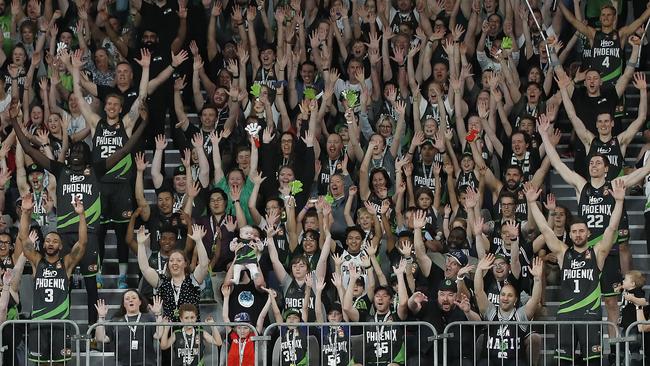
x=448, y=285
x=459, y=257
x=179, y=170
x=34, y=168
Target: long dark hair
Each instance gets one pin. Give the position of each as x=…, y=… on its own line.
x=144, y=304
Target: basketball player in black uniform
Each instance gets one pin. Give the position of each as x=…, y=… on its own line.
x=108, y=135
x=48, y=343
x=580, y=266
x=607, y=43
x=595, y=207
x=79, y=179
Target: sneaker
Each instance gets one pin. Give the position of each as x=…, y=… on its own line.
x=100, y=281
x=121, y=282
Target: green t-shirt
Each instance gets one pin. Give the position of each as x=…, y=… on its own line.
x=5, y=27
x=247, y=189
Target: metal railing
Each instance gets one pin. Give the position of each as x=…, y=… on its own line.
x=120, y=349
x=527, y=343
x=41, y=340
x=635, y=345
x=361, y=342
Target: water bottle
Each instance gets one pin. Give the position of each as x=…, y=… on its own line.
x=77, y=279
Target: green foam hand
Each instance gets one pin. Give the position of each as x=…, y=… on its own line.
x=310, y=93
x=329, y=198
x=296, y=187
x=351, y=97
x=506, y=43
x=256, y=90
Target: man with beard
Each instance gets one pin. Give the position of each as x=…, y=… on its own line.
x=581, y=266
x=79, y=179
x=514, y=180
x=595, y=207
x=52, y=288
x=108, y=135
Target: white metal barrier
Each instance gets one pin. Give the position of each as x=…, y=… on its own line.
x=354, y=342
x=42, y=340
x=636, y=348
x=528, y=343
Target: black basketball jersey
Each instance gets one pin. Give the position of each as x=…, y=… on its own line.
x=336, y=342
x=51, y=290
x=106, y=141
x=611, y=149
x=187, y=349
x=293, y=347
x=606, y=55
x=595, y=206
x=580, y=285
x=504, y=341
x=423, y=176
x=294, y=297
x=384, y=344
x=467, y=179
x=71, y=185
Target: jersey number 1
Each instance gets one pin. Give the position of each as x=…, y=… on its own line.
x=576, y=290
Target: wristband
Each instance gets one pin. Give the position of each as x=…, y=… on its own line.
x=326, y=69
x=235, y=76
x=459, y=278
x=45, y=145
x=447, y=217
x=235, y=201
x=639, y=307
x=631, y=64
x=368, y=267
x=172, y=66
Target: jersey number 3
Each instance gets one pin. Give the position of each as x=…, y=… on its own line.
x=49, y=295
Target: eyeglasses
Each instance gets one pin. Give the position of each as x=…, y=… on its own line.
x=5, y=242
x=500, y=265
x=218, y=199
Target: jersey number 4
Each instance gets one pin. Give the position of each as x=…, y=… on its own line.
x=606, y=61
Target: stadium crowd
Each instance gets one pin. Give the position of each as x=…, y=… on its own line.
x=340, y=161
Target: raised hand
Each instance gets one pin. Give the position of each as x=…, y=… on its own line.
x=142, y=236
x=145, y=58
x=639, y=81
x=198, y=232
x=140, y=163
x=161, y=142
x=618, y=189
x=486, y=262
x=102, y=309
x=419, y=219
x=550, y=202
x=78, y=206
x=157, y=305
x=538, y=268
x=532, y=194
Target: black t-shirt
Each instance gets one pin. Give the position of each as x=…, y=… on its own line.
x=157, y=221
x=244, y=298
x=588, y=108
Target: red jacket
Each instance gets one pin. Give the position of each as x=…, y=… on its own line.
x=249, y=350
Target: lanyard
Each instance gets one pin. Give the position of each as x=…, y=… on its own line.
x=378, y=329
x=189, y=355
x=162, y=268
x=333, y=336
x=133, y=329
x=332, y=166
x=242, y=346
x=424, y=171
x=381, y=160
x=292, y=345
x=177, y=293
x=216, y=228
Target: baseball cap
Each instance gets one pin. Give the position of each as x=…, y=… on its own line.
x=428, y=141
x=242, y=317
x=179, y=170
x=290, y=311
x=501, y=256
x=34, y=168
x=459, y=257
x=448, y=285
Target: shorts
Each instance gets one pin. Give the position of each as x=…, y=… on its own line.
x=610, y=275
x=89, y=264
x=49, y=343
x=587, y=336
x=117, y=202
